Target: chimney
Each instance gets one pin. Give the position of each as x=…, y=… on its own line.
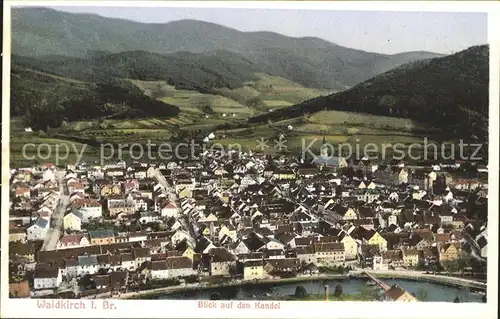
x=327, y=292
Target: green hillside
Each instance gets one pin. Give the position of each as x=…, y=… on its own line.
x=47, y=101
x=450, y=93
x=263, y=94
x=200, y=72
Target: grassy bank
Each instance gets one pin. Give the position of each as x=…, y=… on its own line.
x=176, y=289
x=450, y=282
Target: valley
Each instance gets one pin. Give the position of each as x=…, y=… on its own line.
x=253, y=154
x=298, y=89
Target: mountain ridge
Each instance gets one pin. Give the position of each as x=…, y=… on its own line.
x=450, y=92
x=310, y=61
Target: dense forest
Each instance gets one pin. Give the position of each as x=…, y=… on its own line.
x=310, y=61
x=46, y=101
x=199, y=72
x=449, y=93
x=71, y=66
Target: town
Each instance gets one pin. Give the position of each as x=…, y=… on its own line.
x=91, y=231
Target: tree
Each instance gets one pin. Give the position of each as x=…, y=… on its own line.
x=87, y=282
x=15, y=200
x=300, y=292
x=207, y=109
x=338, y=291
x=350, y=172
x=463, y=261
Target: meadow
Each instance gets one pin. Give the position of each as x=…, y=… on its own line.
x=225, y=114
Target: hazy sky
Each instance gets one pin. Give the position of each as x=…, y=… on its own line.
x=385, y=32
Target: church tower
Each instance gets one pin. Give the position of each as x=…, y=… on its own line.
x=324, y=148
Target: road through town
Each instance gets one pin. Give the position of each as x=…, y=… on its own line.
x=56, y=229
x=172, y=197
x=168, y=189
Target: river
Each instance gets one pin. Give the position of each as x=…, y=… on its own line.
x=433, y=291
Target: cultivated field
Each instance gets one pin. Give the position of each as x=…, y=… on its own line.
x=226, y=116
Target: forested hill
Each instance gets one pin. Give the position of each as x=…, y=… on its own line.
x=203, y=72
x=449, y=92
x=309, y=61
x=46, y=100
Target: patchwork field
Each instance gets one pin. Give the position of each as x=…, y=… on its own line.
x=28, y=149
x=361, y=119
x=352, y=131
x=264, y=94
x=194, y=102
x=225, y=116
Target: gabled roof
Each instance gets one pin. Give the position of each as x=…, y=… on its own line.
x=201, y=244
x=221, y=255
x=366, y=212
x=76, y=213
x=71, y=239
x=101, y=233
x=395, y=292
x=284, y=263
x=392, y=255
x=264, y=231
x=87, y=260
x=304, y=241
x=141, y=253
x=253, y=242
x=285, y=238
x=368, y=250
x=41, y=222
x=362, y=233
x=328, y=247
x=46, y=272
x=304, y=250
x=182, y=246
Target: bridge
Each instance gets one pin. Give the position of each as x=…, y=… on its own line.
x=379, y=282
x=395, y=293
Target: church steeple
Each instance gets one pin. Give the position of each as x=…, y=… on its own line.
x=324, y=148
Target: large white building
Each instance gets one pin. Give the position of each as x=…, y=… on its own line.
x=38, y=230
x=90, y=211
x=47, y=278
x=172, y=267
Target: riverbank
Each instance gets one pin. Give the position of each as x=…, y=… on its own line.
x=145, y=294
x=421, y=277
x=404, y=275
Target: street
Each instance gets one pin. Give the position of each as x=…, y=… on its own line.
x=56, y=228
x=163, y=182
x=172, y=197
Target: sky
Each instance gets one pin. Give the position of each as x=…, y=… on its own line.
x=374, y=31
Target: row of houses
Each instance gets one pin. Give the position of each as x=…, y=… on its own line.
x=249, y=215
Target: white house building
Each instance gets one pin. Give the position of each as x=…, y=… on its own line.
x=47, y=278
x=169, y=210
x=38, y=230
x=90, y=211
x=87, y=265
x=172, y=267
